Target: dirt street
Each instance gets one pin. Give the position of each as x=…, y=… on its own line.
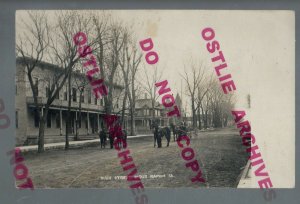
x=220, y=151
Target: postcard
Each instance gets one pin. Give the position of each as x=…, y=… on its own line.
x=143, y=99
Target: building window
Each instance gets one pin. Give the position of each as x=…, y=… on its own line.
x=65, y=94
x=17, y=119
x=86, y=123
x=57, y=95
x=57, y=120
x=48, y=85
x=95, y=101
x=89, y=96
x=36, y=85
x=74, y=94
x=47, y=92
x=82, y=97
x=101, y=101
x=49, y=120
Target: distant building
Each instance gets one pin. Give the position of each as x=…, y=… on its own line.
x=144, y=114
x=176, y=120
x=27, y=124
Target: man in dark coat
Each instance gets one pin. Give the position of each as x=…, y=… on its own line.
x=124, y=137
x=102, y=136
x=174, y=131
x=168, y=135
x=159, y=136
x=182, y=130
x=111, y=140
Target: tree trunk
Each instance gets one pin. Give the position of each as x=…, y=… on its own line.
x=153, y=109
x=124, y=108
x=225, y=121
x=213, y=118
x=132, y=122
x=217, y=118
x=206, y=119
x=68, y=127
x=194, y=114
x=79, y=118
x=199, y=119
x=76, y=129
x=132, y=106
x=41, y=139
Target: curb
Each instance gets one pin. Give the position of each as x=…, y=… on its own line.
x=245, y=180
x=72, y=144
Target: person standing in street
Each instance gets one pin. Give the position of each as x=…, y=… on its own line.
x=155, y=132
x=111, y=140
x=182, y=130
x=168, y=135
x=173, y=130
x=124, y=138
x=102, y=136
x=159, y=136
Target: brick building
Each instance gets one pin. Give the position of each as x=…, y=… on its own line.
x=27, y=124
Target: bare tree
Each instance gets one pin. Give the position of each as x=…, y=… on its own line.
x=202, y=91
x=110, y=41
x=152, y=76
x=80, y=83
x=31, y=47
x=218, y=105
x=64, y=50
x=193, y=80
x=205, y=109
x=227, y=105
x=125, y=70
x=129, y=62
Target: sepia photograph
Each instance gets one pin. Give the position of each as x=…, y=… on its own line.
x=155, y=98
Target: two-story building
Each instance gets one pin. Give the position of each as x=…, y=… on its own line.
x=145, y=114
x=92, y=109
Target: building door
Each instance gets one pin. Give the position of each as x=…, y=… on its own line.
x=93, y=123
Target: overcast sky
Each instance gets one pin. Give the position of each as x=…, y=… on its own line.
x=245, y=38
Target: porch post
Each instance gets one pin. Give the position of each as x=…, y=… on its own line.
x=60, y=121
x=88, y=123
x=98, y=122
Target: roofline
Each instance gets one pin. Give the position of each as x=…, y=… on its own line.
x=47, y=65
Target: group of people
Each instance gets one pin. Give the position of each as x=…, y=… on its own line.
x=103, y=137
x=159, y=132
